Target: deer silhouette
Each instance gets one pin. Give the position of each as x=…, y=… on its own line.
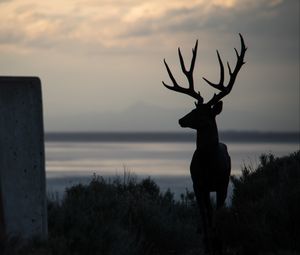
x=211, y=165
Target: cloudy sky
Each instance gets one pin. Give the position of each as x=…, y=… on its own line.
x=100, y=61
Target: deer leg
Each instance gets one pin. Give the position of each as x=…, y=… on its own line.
x=221, y=197
x=217, y=240
x=200, y=202
x=206, y=210
x=200, y=197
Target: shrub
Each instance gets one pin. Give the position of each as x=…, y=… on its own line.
x=265, y=211
x=117, y=217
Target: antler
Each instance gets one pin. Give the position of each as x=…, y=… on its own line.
x=189, y=75
x=225, y=90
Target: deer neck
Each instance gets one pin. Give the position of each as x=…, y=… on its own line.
x=207, y=137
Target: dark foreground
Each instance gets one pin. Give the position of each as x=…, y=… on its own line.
x=126, y=216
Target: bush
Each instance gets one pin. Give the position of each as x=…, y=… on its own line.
x=121, y=217
x=265, y=211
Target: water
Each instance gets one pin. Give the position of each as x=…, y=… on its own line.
x=70, y=162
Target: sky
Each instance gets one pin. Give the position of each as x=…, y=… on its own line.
x=101, y=61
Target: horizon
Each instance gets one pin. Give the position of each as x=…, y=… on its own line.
x=226, y=136
x=140, y=132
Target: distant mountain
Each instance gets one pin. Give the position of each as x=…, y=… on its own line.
x=139, y=116
x=148, y=118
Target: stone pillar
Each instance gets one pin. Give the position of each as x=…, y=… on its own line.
x=23, y=206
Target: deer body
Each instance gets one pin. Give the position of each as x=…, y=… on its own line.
x=210, y=171
x=210, y=166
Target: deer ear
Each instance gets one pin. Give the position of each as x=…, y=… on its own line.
x=217, y=108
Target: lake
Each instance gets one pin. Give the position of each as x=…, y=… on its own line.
x=74, y=158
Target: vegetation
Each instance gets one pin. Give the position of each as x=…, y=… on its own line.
x=122, y=216
x=265, y=211
x=126, y=216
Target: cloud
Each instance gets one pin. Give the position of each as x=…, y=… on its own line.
x=122, y=24
x=5, y=1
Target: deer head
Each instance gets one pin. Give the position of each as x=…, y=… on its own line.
x=204, y=114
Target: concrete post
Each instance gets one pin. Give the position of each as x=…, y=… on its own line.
x=22, y=159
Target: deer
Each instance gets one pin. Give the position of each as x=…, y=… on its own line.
x=210, y=167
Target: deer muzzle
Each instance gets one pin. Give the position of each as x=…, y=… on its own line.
x=182, y=123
